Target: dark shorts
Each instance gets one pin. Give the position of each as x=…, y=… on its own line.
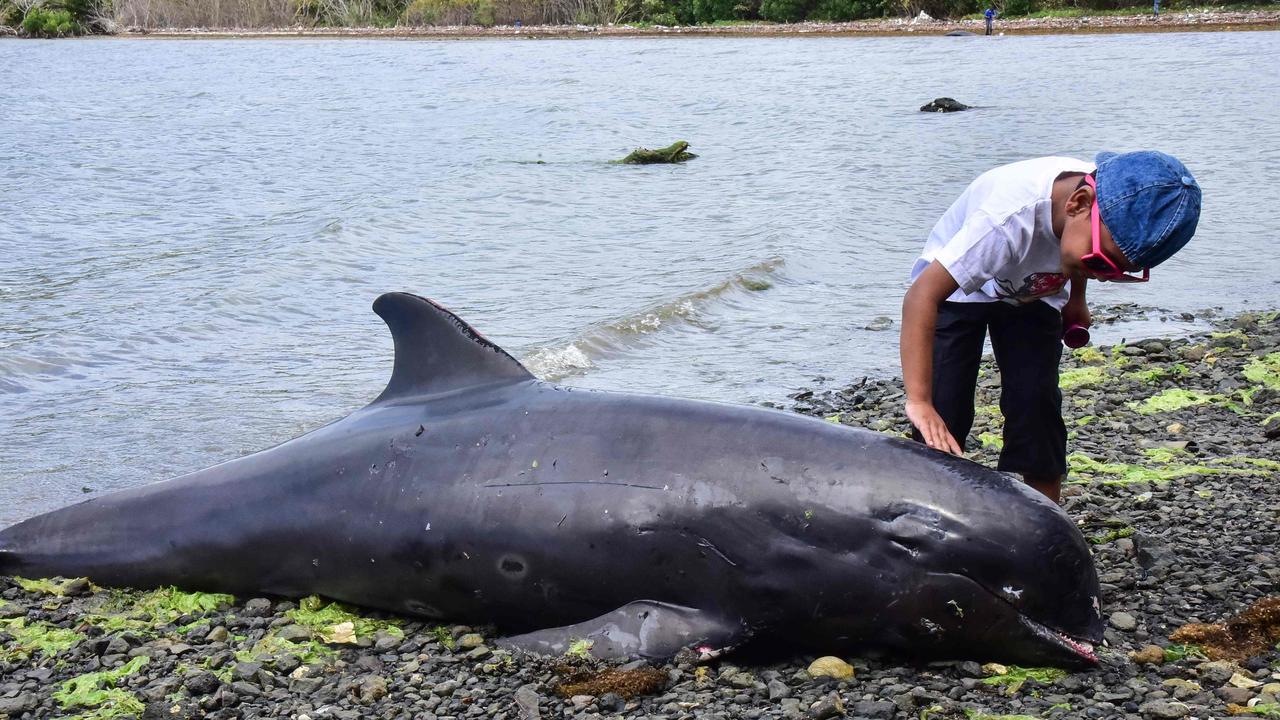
x=1026, y=340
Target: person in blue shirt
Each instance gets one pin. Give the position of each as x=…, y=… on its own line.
x=991, y=14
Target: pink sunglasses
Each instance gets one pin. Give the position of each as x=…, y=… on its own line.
x=1102, y=267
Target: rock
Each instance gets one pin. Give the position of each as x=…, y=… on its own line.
x=257, y=607
x=778, y=690
x=469, y=641
x=828, y=707
x=875, y=709
x=1236, y=695
x=1216, y=673
x=611, y=702
x=581, y=701
x=1123, y=621
x=829, y=666
x=1163, y=710
x=201, y=682
x=294, y=633
x=218, y=634
x=245, y=670
x=943, y=104
x=372, y=689
x=15, y=706
x=76, y=587
x=304, y=685
x=676, y=152
x=526, y=698
x=1148, y=655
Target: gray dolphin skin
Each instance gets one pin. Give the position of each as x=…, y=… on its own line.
x=471, y=491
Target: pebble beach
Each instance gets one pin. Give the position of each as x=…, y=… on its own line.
x=1175, y=451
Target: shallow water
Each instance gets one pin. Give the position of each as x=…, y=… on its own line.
x=194, y=230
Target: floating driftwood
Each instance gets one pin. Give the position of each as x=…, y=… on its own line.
x=944, y=104
x=677, y=152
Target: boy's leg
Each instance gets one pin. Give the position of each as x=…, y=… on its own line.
x=957, y=350
x=1027, y=343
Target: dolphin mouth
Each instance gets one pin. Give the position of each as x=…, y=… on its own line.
x=1081, y=649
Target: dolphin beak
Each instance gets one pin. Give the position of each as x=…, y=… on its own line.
x=1074, y=651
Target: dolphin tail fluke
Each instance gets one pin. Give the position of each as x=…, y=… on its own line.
x=640, y=629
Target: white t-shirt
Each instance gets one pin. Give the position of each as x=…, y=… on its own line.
x=997, y=238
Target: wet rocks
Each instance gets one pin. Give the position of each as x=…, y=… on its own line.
x=943, y=105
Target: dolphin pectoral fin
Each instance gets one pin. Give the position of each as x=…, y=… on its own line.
x=640, y=629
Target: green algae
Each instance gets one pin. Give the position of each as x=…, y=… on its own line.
x=833, y=418
x=1013, y=680
x=1112, y=536
x=1156, y=375
x=1176, y=652
x=991, y=411
x=1123, y=473
x=1170, y=400
x=32, y=638
x=1089, y=355
x=676, y=152
x=166, y=604
x=1264, y=371
x=97, y=692
x=579, y=648
x=991, y=440
x=1081, y=377
x=322, y=617
x=442, y=636
x=1081, y=422
x=272, y=648
x=1266, y=710
x=978, y=715
x=45, y=586
x=1165, y=455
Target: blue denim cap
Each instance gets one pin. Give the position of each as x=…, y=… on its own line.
x=1150, y=203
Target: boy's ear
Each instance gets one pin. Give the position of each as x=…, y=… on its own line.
x=1080, y=200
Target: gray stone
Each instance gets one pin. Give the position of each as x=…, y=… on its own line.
x=294, y=633
x=1163, y=710
x=778, y=690
x=15, y=706
x=526, y=697
x=201, y=682
x=1123, y=621
x=257, y=607
x=877, y=709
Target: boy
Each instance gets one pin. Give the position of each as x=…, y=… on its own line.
x=1018, y=234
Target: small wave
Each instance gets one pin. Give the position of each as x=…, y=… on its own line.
x=579, y=355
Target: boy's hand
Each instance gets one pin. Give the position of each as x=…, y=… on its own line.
x=1079, y=315
x=931, y=427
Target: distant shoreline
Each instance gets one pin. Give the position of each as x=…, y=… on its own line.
x=1173, y=21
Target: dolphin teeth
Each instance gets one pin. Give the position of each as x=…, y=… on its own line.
x=1085, y=649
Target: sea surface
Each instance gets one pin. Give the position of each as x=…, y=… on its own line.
x=192, y=232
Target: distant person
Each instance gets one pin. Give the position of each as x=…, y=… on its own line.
x=1012, y=256
x=1155, y=7
x=991, y=15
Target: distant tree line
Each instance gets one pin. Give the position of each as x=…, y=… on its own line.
x=53, y=18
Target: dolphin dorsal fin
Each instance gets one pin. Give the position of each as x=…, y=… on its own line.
x=437, y=352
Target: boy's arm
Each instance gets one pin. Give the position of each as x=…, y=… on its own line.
x=1076, y=311
x=919, y=319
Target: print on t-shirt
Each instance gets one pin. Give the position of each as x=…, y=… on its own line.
x=1034, y=286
